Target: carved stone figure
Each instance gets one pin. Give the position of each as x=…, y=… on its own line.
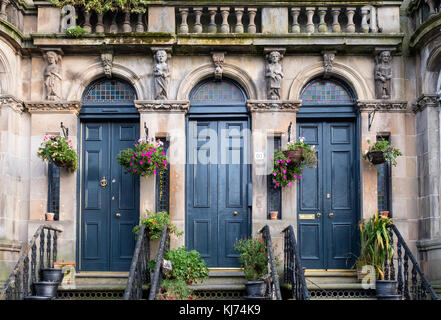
x=107, y=59
x=52, y=76
x=161, y=73
x=383, y=74
x=328, y=61
x=218, y=60
x=274, y=75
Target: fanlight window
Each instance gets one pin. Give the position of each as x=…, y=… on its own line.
x=325, y=92
x=110, y=90
x=217, y=91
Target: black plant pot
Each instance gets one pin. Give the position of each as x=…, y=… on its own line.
x=376, y=157
x=390, y=297
x=52, y=275
x=256, y=288
x=37, y=298
x=46, y=289
x=385, y=288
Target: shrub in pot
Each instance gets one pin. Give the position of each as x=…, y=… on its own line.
x=175, y=289
x=155, y=223
x=381, y=152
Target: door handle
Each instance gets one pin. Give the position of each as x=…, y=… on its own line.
x=103, y=182
x=118, y=215
x=319, y=214
x=331, y=215
x=235, y=213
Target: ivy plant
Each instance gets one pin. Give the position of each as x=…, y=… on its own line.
x=101, y=6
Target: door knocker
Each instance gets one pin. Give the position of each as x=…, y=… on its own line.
x=103, y=182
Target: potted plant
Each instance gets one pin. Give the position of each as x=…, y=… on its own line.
x=175, y=289
x=380, y=152
x=155, y=223
x=377, y=250
x=58, y=150
x=254, y=260
x=288, y=165
x=186, y=265
x=274, y=215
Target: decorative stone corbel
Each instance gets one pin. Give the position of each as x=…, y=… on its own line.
x=12, y=102
x=273, y=72
x=218, y=60
x=328, y=62
x=107, y=59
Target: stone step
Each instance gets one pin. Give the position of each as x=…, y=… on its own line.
x=329, y=277
x=96, y=279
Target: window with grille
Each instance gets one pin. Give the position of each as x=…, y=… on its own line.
x=322, y=91
x=274, y=195
x=53, y=199
x=163, y=202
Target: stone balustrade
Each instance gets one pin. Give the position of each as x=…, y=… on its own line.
x=10, y=12
x=112, y=22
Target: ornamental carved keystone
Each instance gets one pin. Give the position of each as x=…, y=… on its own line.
x=328, y=62
x=55, y=107
x=274, y=73
x=161, y=74
x=218, y=60
x=12, y=102
x=52, y=76
x=273, y=106
x=163, y=105
x=107, y=60
x=424, y=101
x=383, y=74
x=381, y=106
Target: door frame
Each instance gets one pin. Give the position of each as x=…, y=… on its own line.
x=217, y=117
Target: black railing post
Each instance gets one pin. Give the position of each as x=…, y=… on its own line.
x=265, y=231
x=157, y=275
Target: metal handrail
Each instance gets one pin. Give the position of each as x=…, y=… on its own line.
x=18, y=280
x=157, y=276
x=139, y=273
x=293, y=270
x=418, y=291
x=275, y=278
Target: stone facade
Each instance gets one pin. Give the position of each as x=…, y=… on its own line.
x=407, y=109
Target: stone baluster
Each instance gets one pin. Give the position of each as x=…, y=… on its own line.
x=335, y=24
x=225, y=27
x=87, y=25
x=310, y=15
x=295, y=12
x=113, y=25
x=127, y=27
x=373, y=19
x=364, y=15
x=251, y=16
x=99, y=28
x=139, y=25
x=239, y=25
x=350, y=27
x=183, y=28
x=3, y=14
x=212, y=27
x=322, y=24
x=197, y=24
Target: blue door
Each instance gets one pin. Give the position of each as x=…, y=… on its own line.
x=217, y=179
x=327, y=197
x=109, y=197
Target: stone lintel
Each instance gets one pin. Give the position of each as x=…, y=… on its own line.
x=162, y=105
x=12, y=102
x=273, y=105
x=53, y=106
x=425, y=100
x=381, y=105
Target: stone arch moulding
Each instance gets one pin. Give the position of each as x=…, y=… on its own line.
x=5, y=74
x=95, y=71
x=357, y=83
x=207, y=71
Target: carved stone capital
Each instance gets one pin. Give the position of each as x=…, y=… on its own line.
x=53, y=106
x=162, y=105
x=425, y=100
x=381, y=106
x=273, y=105
x=12, y=102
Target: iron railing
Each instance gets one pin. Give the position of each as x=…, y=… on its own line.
x=157, y=275
x=29, y=265
x=419, y=286
x=139, y=274
x=274, y=287
x=294, y=273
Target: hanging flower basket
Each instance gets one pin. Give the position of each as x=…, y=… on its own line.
x=295, y=155
x=376, y=157
x=381, y=152
x=59, y=151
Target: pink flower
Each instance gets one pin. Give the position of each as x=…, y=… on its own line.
x=300, y=177
x=140, y=162
x=290, y=183
x=154, y=171
x=288, y=161
x=131, y=164
x=274, y=174
x=163, y=153
x=277, y=184
x=284, y=171
x=284, y=177
x=295, y=176
x=134, y=170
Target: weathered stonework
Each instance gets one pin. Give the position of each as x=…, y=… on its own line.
x=162, y=105
x=53, y=107
x=381, y=106
x=13, y=103
x=270, y=105
x=424, y=101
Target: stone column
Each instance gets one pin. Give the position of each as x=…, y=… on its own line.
x=212, y=27
x=197, y=25
x=310, y=23
x=251, y=16
x=183, y=28
x=166, y=118
x=295, y=12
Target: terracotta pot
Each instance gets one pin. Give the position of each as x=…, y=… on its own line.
x=294, y=155
x=384, y=213
x=274, y=215
x=50, y=216
x=376, y=157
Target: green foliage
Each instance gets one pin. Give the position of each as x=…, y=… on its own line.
x=101, y=6
x=253, y=257
x=390, y=152
x=175, y=289
x=187, y=265
x=75, y=32
x=155, y=223
x=376, y=247
x=285, y=172
x=58, y=150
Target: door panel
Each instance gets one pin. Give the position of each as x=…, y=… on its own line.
x=107, y=240
x=217, y=211
x=327, y=242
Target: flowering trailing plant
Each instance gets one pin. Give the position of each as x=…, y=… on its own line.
x=146, y=159
x=58, y=150
x=285, y=171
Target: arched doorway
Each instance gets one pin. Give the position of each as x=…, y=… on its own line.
x=109, y=197
x=218, y=171
x=328, y=196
